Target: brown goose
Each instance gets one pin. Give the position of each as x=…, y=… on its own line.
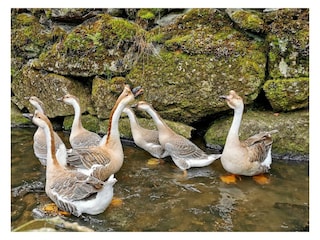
x=79, y=136
x=70, y=190
x=107, y=158
x=184, y=153
x=39, y=139
x=250, y=157
x=146, y=139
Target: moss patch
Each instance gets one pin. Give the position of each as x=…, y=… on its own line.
x=287, y=94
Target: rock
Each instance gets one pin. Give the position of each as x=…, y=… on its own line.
x=48, y=87
x=293, y=127
x=201, y=58
x=288, y=41
x=248, y=20
x=102, y=45
x=287, y=94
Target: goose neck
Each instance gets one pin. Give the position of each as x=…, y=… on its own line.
x=233, y=134
x=113, y=130
x=77, y=116
x=157, y=119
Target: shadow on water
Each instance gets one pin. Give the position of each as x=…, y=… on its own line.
x=157, y=197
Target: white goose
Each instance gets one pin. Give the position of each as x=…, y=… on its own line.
x=79, y=136
x=146, y=139
x=184, y=153
x=107, y=158
x=251, y=157
x=39, y=139
x=70, y=190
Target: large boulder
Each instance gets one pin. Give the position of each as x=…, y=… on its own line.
x=195, y=59
x=103, y=45
x=48, y=87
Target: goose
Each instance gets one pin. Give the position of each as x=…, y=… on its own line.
x=146, y=139
x=71, y=190
x=184, y=153
x=79, y=136
x=39, y=140
x=251, y=157
x=107, y=158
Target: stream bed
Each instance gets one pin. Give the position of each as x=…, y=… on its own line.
x=157, y=197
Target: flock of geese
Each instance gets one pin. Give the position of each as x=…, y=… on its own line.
x=81, y=179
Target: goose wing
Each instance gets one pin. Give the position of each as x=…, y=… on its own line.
x=86, y=157
x=75, y=187
x=180, y=147
x=86, y=139
x=258, y=146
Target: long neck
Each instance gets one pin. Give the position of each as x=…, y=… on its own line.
x=51, y=149
x=161, y=125
x=133, y=119
x=113, y=130
x=233, y=135
x=77, y=116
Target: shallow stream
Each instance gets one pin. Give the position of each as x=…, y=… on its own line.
x=157, y=197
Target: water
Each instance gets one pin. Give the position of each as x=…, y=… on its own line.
x=159, y=198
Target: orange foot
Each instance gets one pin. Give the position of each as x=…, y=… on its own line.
x=52, y=209
x=261, y=179
x=116, y=202
x=232, y=178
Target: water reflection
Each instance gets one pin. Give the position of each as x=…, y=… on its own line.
x=159, y=198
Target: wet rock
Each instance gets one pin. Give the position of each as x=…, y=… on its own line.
x=26, y=188
x=292, y=211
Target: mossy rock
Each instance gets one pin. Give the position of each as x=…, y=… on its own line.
x=105, y=94
x=293, y=127
x=288, y=40
x=48, y=87
x=103, y=45
x=201, y=57
x=248, y=20
x=287, y=94
x=186, y=88
x=17, y=119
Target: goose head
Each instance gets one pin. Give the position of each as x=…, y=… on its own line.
x=36, y=102
x=69, y=99
x=128, y=95
x=40, y=119
x=142, y=105
x=233, y=100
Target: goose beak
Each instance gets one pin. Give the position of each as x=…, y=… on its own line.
x=27, y=98
x=137, y=91
x=223, y=96
x=134, y=105
x=28, y=115
x=60, y=99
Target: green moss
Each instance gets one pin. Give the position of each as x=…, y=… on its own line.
x=287, y=94
x=146, y=14
x=124, y=29
x=248, y=20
